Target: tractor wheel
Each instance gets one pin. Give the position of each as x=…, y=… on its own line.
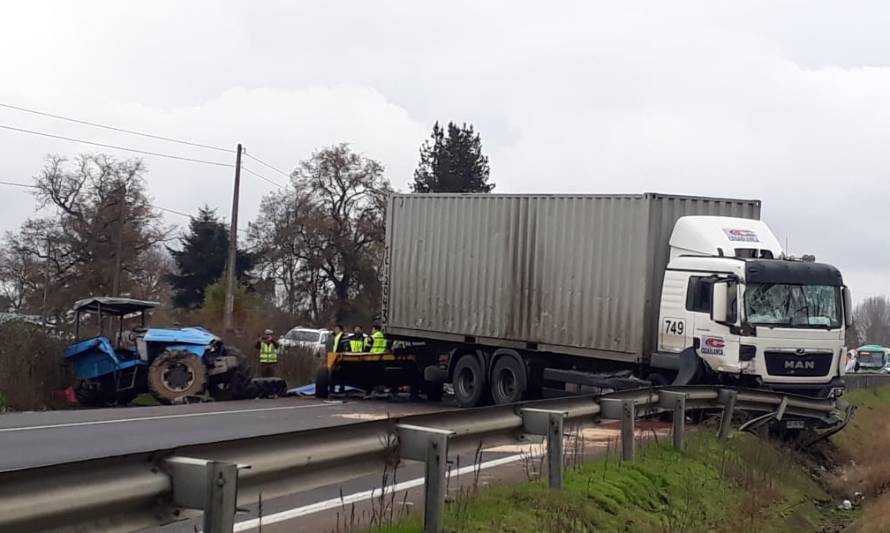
x=176, y=374
x=234, y=384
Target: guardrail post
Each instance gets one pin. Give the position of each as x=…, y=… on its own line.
x=221, y=494
x=676, y=403
x=727, y=398
x=211, y=486
x=549, y=423
x=429, y=445
x=624, y=410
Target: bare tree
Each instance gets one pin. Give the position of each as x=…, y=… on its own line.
x=99, y=229
x=322, y=239
x=872, y=321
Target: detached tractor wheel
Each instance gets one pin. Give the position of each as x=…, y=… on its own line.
x=176, y=374
x=322, y=383
x=234, y=384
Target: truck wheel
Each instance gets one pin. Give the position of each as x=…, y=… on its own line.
x=322, y=383
x=508, y=380
x=175, y=374
x=469, y=382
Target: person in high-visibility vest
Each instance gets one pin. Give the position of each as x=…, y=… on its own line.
x=357, y=340
x=337, y=346
x=377, y=342
x=268, y=348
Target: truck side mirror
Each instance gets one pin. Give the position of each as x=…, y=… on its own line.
x=719, y=297
x=848, y=307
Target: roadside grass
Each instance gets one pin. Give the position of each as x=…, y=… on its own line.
x=863, y=451
x=742, y=484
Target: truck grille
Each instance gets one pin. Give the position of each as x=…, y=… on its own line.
x=792, y=364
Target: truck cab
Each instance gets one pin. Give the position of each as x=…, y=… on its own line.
x=735, y=309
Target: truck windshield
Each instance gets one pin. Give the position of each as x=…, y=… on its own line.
x=796, y=306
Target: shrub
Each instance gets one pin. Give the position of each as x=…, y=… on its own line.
x=31, y=367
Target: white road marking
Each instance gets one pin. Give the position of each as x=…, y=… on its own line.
x=163, y=417
x=336, y=503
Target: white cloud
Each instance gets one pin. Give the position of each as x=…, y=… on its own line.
x=785, y=102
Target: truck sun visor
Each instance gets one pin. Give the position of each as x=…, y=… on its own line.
x=791, y=272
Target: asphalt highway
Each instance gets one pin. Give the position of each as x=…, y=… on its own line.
x=33, y=439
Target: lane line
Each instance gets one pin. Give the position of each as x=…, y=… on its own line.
x=336, y=503
x=164, y=417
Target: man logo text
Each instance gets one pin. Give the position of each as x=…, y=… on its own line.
x=800, y=365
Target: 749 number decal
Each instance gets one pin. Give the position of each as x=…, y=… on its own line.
x=674, y=327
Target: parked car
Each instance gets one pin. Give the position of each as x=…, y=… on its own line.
x=316, y=341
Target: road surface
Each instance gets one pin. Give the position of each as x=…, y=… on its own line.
x=51, y=437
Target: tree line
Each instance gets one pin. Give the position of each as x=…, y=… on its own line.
x=313, y=254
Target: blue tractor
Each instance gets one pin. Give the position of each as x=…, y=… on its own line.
x=173, y=364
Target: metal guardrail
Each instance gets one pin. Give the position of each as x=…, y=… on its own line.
x=142, y=490
x=866, y=381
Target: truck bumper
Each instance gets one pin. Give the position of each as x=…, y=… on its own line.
x=833, y=389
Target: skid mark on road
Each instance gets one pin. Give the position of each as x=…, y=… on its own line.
x=167, y=417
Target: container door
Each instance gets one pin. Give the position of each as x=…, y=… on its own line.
x=675, y=321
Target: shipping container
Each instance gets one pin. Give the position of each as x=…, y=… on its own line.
x=572, y=274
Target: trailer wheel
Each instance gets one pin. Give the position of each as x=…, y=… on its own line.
x=176, y=374
x=468, y=381
x=508, y=380
x=322, y=383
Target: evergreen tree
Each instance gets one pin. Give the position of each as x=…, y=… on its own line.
x=452, y=161
x=202, y=259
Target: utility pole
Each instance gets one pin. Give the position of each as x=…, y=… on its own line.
x=228, y=318
x=119, y=238
x=45, y=281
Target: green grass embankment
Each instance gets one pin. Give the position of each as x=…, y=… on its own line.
x=744, y=484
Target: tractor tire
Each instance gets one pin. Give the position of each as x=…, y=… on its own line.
x=323, y=383
x=176, y=374
x=234, y=384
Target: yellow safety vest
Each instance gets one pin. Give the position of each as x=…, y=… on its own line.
x=356, y=345
x=268, y=353
x=378, y=342
x=337, y=338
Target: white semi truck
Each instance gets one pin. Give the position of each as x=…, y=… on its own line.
x=506, y=295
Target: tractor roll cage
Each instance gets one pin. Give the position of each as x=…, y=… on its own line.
x=113, y=307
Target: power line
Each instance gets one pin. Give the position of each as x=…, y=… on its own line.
x=114, y=147
x=18, y=184
x=260, y=161
x=264, y=178
x=113, y=128
x=175, y=212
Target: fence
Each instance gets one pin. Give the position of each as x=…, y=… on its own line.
x=142, y=490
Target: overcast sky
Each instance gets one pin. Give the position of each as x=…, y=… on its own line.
x=787, y=102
